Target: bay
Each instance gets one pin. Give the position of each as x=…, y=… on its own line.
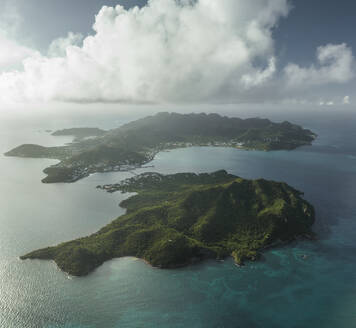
x=306, y=284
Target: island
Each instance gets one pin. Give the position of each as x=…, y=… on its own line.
x=80, y=133
x=176, y=220
x=136, y=143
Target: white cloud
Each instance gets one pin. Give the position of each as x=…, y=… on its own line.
x=58, y=47
x=259, y=76
x=346, y=100
x=173, y=51
x=335, y=65
x=10, y=18
x=12, y=53
x=326, y=103
x=167, y=51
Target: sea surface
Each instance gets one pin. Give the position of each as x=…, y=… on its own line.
x=306, y=284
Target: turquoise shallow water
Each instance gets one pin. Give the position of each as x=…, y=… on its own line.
x=283, y=290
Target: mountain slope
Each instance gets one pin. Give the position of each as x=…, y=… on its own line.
x=136, y=143
x=178, y=219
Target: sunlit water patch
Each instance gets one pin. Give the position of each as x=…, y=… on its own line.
x=306, y=284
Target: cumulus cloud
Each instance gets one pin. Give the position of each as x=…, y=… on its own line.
x=346, y=100
x=259, y=76
x=335, y=65
x=12, y=53
x=169, y=50
x=326, y=103
x=172, y=51
x=58, y=47
x=10, y=18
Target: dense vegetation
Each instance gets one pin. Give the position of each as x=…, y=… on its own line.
x=175, y=220
x=80, y=133
x=136, y=143
x=203, y=128
x=36, y=151
x=86, y=162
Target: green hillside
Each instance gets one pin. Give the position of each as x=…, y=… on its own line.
x=136, y=143
x=175, y=220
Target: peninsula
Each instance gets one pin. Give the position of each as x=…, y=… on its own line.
x=136, y=143
x=176, y=220
x=80, y=134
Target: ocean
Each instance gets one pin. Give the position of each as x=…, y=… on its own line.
x=305, y=284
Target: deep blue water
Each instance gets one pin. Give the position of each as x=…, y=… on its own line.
x=283, y=290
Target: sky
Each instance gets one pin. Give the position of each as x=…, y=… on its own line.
x=297, y=52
